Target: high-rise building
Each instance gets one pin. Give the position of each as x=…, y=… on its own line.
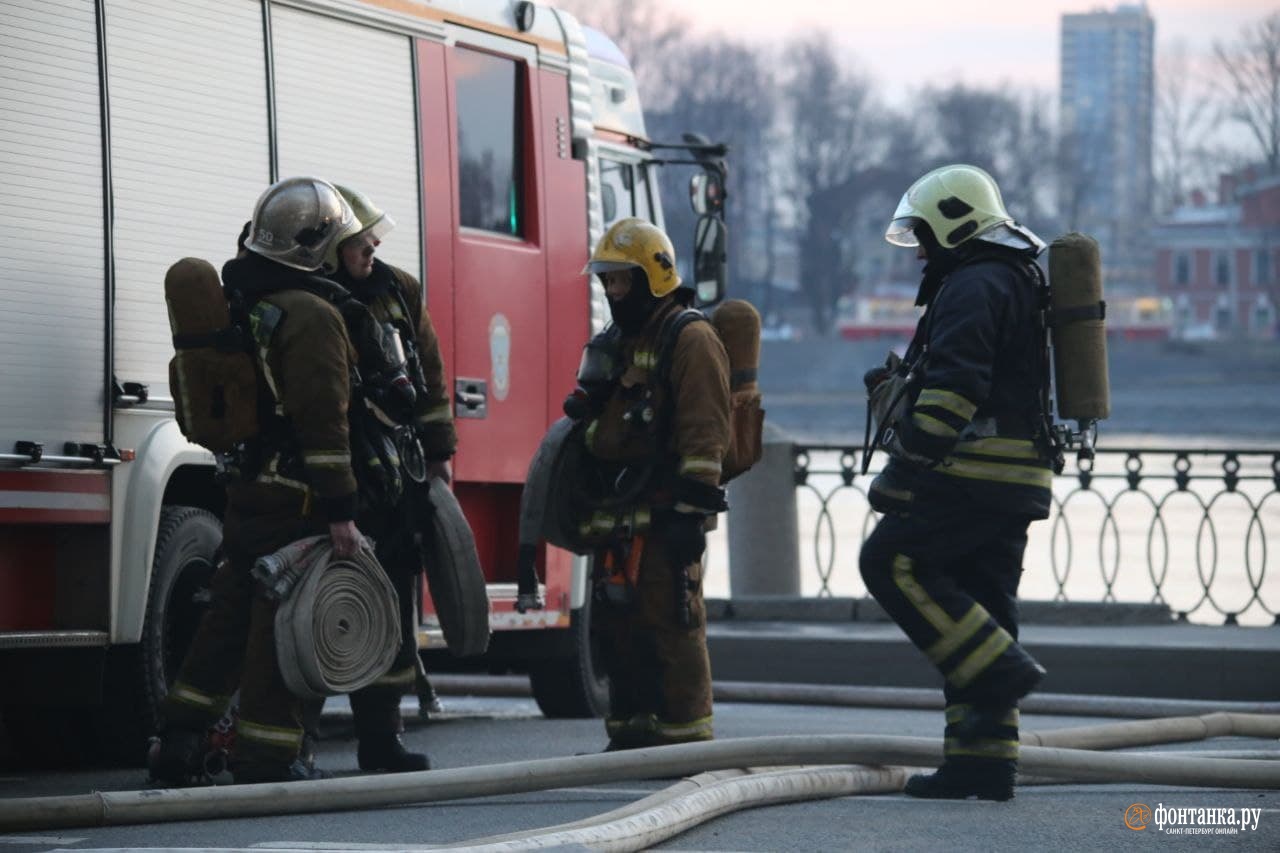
x=1107, y=111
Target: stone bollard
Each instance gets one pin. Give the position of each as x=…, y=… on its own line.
x=764, y=555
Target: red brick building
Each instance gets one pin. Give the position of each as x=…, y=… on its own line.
x=1219, y=263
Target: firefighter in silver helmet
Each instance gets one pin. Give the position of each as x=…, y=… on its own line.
x=969, y=468
x=295, y=480
x=402, y=434
x=656, y=432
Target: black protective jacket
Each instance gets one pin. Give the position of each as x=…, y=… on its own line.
x=975, y=426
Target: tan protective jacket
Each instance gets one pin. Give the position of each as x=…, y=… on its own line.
x=696, y=405
x=306, y=358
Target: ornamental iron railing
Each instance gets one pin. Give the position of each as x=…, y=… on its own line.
x=1192, y=529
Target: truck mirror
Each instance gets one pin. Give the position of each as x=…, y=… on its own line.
x=710, y=255
x=698, y=193
x=706, y=193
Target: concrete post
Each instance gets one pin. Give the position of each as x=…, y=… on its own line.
x=764, y=553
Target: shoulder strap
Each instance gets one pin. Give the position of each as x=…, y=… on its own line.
x=669, y=335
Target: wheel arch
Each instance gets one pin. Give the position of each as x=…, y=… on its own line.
x=167, y=470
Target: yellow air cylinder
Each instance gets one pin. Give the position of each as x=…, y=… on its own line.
x=1078, y=329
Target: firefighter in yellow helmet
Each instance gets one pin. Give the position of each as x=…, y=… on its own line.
x=969, y=468
x=402, y=435
x=656, y=431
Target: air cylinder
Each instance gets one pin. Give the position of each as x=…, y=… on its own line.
x=1078, y=329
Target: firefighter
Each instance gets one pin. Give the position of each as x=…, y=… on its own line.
x=295, y=479
x=402, y=428
x=969, y=469
x=656, y=433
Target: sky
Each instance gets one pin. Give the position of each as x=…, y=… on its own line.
x=982, y=43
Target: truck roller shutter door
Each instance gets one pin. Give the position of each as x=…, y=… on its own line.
x=189, y=154
x=345, y=112
x=52, y=267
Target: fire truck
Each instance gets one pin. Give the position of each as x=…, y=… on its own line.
x=502, y=136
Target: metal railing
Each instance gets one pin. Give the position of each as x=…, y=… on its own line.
x=1188, y=528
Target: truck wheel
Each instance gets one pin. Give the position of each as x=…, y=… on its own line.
x=186, y=543
x=574, y=685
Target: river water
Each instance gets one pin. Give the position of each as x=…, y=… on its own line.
x=1211, y=549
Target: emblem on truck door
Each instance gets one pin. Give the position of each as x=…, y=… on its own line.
x=500, y=355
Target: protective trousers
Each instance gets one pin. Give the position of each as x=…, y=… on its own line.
x=947, y=572
x=659, y=670
x=235, y=647
x=376, y=709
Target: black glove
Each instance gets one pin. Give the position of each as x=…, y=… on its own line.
x=684, y=537
x=875, y=376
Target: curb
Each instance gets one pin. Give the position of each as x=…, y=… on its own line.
x=830, y=609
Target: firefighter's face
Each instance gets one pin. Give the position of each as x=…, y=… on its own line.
x=617, y=284
x=357, y=255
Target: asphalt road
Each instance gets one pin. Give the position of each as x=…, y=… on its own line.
x=482, y=731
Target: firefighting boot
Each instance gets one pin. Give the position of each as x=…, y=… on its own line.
x=962, y=777
x=176, y=759
x=428, y=700
x=634, y=732
x=980, y=750
x=386, y=752
x=1008, y=678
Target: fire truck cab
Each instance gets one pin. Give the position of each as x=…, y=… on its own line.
x=503, y=137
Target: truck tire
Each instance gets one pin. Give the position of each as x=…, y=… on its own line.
x=187, y=541
x=574, y=685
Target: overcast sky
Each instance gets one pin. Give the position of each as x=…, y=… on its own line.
x=986, y=42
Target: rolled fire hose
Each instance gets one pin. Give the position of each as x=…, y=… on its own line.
x=338, y=623
x=134, y=807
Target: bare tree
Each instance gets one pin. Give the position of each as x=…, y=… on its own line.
x=975, y=126
x=649, y=34
x=837, y=133
x=1252, y=69
x=726, y=93
x=1010, y=136
x=1186, y=115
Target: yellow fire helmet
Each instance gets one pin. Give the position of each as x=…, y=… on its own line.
x=631, y=243
x=957, y=202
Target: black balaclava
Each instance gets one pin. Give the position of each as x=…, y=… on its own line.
x=631, y=311
x=939, y=262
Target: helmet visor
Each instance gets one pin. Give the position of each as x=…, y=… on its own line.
x=902, y=232
x=595, y=267
x=380, y=228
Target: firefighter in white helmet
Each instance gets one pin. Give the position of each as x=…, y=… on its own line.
x=656, y=431
x=402, y=435
x=969, y=468
x=292, y=480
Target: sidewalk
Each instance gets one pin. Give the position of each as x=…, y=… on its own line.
x=1096, y=649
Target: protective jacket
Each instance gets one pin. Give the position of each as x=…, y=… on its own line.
x=390, y=292
x=976, y=408
x=682, y=423
x=304, y=477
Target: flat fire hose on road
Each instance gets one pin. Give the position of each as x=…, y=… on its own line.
x=338, y=623
x=886, y=758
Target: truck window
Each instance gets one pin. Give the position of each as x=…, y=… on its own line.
x=624, y=190
x=489, y=162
